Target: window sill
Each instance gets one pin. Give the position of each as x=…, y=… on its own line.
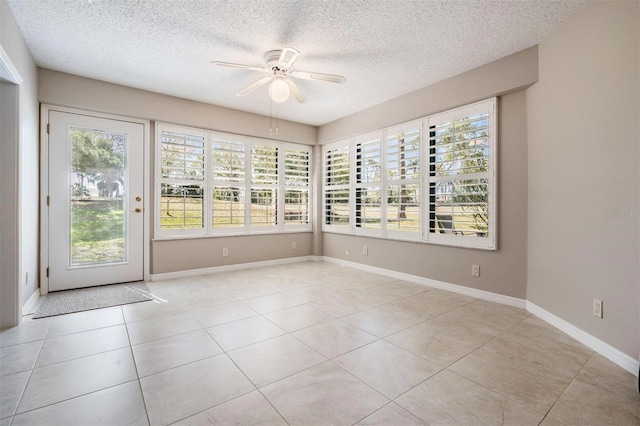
x=231, y=235
x=413, y=239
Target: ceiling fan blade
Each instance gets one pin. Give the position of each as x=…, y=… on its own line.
x=296, y=92
x=241, y=66
x=253, y=86
x=287, y=57
x=303, y=75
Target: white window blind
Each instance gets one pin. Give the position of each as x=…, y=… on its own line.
x=336, y=174
x=182, y=181
x=461, y=175
x=264, y=185
x=296, y=186
x=402, y=161
x=228, y=174
x=368, y=183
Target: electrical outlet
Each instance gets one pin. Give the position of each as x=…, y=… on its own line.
x=365, y=251
x=225, y=251
x=293, y=245
x=597, y=308
x=475, y=270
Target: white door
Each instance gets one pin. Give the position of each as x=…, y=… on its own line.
x=95, y=201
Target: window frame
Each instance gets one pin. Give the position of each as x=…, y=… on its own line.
x=251, y=185
x=308, y=188
x=369, y=183
x=488, y=243
x=423, y=181
x=392, y=131
x=208, y=229
x=230, y=230
x=159, y=180
x=326, y=149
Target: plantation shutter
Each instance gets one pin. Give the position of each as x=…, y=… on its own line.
x=264, y=185
x=368, y=183
x=181, y=178
x=336, y=185
x=402, y=161
x=461, y=175
x=296, y=187
x=228, y=175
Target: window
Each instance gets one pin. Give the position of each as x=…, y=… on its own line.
x=402, y=159
x=213, y=183
x=461, y=157
x=296, y=187
x=436, y=188
x=336, y=165
x=181, y=180
x=264, y=186
x=368, y=187
x=228, y=173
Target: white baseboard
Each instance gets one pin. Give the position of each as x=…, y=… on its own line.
x=227, y=268
x=454, y=288
x=604, y=349
x=614, y=355
x=32, y=304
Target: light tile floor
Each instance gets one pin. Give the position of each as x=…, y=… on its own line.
x=306, y=344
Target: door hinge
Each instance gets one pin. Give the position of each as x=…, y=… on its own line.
x=47, y=272
x=48, y=128
x=47, y=200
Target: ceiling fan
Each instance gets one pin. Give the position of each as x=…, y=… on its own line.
x=279, y=64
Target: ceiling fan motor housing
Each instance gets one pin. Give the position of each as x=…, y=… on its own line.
x=272, y=59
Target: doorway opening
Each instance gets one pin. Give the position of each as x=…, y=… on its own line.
x=94, y=221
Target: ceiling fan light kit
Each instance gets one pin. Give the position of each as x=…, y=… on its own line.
x=279, y=90
x=279, y=64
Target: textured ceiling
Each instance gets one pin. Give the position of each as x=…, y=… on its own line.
x=384, y=48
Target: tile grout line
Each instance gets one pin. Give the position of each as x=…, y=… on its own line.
x=224, y=352
x=453, y=362
x=256, y=387
x=15, y=410
x=485, y=386
x=71, y=398
x=83, y=356
x=135, y=366
x=16, y=414
x=573, y=379
x=26, y=385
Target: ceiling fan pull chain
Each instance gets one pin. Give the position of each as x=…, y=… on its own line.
x=270, y=117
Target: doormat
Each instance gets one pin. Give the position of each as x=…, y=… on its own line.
x=86, y=299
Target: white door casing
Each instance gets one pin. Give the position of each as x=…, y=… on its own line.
x=85, y=265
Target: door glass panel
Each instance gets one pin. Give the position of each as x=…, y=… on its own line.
x=97, y=210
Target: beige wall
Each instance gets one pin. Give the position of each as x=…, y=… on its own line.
x=179, y=255
x=10, y=298
x=502, y=271
x=583, y=173
x=176, y=255
x=14, y=45
x=505, y=75
x=73, y=91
